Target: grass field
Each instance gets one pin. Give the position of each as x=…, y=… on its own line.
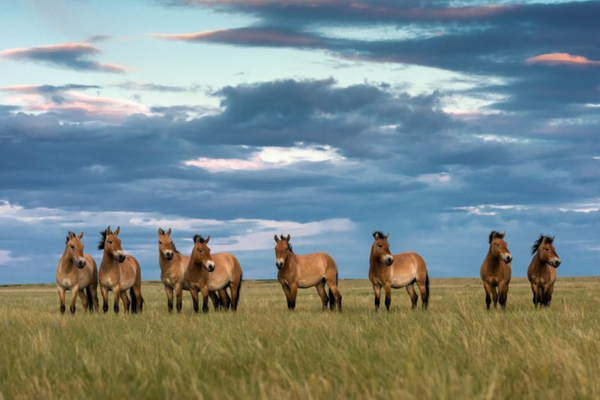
x=456, y=350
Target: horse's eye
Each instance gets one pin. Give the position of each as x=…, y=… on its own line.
x=73, y=247
x=380, y=246
x=159, y=242
x=109, y=242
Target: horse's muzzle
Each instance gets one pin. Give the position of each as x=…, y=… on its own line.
x=279, y=265
x=555, y=263
x=169, y=256
x=508, y=259
x=122, y=257
x=388, y=260
x=210, y=267
x=81, y=264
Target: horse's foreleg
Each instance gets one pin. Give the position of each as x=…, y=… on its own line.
x=84, y=299
x=74, y=293
x=488, y=291
x=321, y=291
x=94, y=289
x=495, y=295
x=388, y=295
x=169, y=292
x=547, y=295
x=377, y=291
x=117, y=294
x=204, y=291
x=104, y=292
x=503, y=294
x=194, y=293
x=178, y=297
x=291, y=301
x=413, y=295
x=126, y=302
x=61, y=297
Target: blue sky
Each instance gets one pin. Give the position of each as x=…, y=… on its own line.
x=436, y=121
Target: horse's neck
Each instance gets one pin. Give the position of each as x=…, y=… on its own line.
x=375, y=263
x=67, y=263
x=493, y=262
x=291, y=262
x=109, y=263
x=537, y=264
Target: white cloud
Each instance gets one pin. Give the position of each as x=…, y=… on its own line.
x=490, y=209
x=269, y=157
x=6, y=259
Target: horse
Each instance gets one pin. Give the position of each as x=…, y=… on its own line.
x=542, y=270
x=495, y=270
x=173, y=268
x=118, y=273
x=397, y=271
x=78, y=273
x=305, y=271
x=214, y=273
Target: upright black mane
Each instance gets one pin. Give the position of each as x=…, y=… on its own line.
x=549, y=240
x=289, y=245
x=101, y=243
x=498, y=234
x=196, y=237
x=69, y=236
x=378, y=233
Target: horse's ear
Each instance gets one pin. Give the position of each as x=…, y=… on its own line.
x=169, y=232
x=116, y=232
x=160, y=232
x=80, y=236
x=108, y=231
x=288, y=238
x=386, y=236
x=206, y=240
x=276, y=239
x=196, y=239
x=70, y=235
x=503, y=234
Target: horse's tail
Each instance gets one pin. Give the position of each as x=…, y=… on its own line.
x=133, y=301
x=88, y=293
x=331, y=296
x=239, y=291
x=425, y=299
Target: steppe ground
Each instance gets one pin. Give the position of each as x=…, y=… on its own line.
x=456, y=350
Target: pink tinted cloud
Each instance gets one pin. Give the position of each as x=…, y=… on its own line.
x=265, y=37
x=561, y=58
x=77, y=56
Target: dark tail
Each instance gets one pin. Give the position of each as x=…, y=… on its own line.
x=331, y=296
x=133, y=301
x=239, y=291
x=88, y=293
x=426, y=298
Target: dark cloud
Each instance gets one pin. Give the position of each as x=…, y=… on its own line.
x=75, y=56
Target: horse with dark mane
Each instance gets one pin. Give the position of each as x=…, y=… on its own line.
x=389, y=271
x=495, y=270
x=542, y=270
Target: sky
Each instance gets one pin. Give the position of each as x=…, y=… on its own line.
x=436, y=121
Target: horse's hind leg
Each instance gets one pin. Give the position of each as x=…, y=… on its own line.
x=224, y=299
x=84, y=299
x=488, y=292
x=547, y=295
x=495, y=295
x=214, y=297
x=413, y=295
x=126, y=302
x=321, y=291
x=503, y=295
x=94, y=290
x=333, y=287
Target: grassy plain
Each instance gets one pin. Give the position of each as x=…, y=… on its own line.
x=456, y=350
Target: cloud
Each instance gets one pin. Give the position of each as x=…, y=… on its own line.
x=76, y=56
x=153, y=87
x=7, y=259
x=561, y=58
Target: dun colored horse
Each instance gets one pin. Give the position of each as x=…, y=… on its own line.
x=396, y=271
x=495, y=270
x=173, y=268
x=78, y=273
x=542, y=270
x=118, y=273
x=305, y=271
x=214, y=273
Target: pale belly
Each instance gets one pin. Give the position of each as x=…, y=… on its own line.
x=218, y=282
x=403, y=278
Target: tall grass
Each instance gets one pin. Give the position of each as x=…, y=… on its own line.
x=456, y=350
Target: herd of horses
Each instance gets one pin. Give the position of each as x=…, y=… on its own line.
x=212, y=274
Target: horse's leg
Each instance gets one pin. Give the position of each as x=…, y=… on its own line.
x=169, y=292
x=74, y=292
x=224, y=298
x=194, y=293
x=377, y=291
x=540, y=295
x=61, y=297
x=179, y=296
x=424, y=289
x=104, y=292
x=388, y=295
x=126, y=302
x=204, y=291
x=94, y=289
x=214, y=297
x=84, y=299
x=321, y=291
x=117, y=293
x=235, y=288
x=413, y=295
x=548, y=289
x=503, y=294
x=495, y=295
x=333, y=287
x=488, y=291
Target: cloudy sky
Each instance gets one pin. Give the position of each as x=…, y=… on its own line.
x=436, y=121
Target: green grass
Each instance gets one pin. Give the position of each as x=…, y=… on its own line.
x=456, y=350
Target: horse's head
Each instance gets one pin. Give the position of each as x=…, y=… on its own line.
x=201, y=253
x=545, y=250
x=498, y=247
x=111, y=244
x=282, y=249
x=75, y=249
x=166, y=247
x=381, y=249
